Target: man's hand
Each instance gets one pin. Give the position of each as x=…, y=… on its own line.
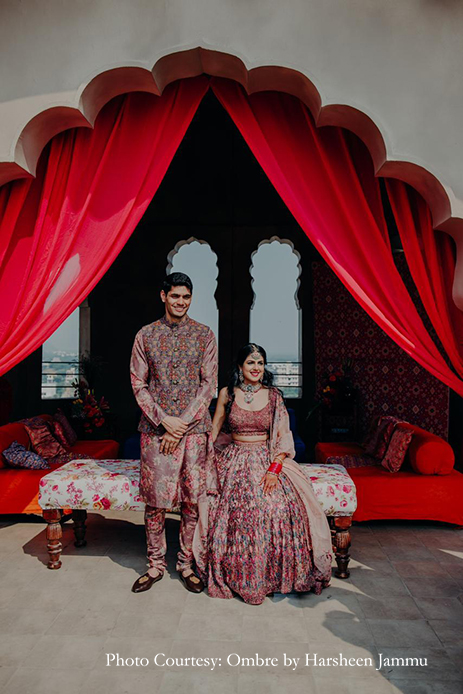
x=168, y=443
x=175, y=426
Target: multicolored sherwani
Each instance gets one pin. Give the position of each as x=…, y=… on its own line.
x=174, y=373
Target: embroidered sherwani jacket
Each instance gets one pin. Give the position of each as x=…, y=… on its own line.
x=173, y=372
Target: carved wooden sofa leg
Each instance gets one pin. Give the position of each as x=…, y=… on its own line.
x=54, y=535
x=79, y=517
x=340, y=535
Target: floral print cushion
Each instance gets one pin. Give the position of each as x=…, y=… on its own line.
x=333, y=487
x=93, y=485
x=397, y=449
x=18, y=456
x=350, y=461
x=114, y=485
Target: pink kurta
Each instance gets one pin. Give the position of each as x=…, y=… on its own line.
x=174, y=372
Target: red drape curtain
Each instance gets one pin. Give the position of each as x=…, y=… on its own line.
x=325, y=177
x=430, y=257
x=60, y=232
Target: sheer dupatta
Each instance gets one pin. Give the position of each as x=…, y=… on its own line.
x=281, y=441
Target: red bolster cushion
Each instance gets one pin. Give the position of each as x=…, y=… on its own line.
x=429, y=454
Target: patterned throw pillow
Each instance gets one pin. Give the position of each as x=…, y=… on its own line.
x=397, y=449
x=58, y=432
x=42, y=440
x=17, y=456
x=379, y=442
x=69, y=432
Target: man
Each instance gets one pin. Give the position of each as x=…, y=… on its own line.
x=174, y=378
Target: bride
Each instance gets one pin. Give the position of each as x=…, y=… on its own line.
x=267, y=532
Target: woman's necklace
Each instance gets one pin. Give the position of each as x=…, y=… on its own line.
x=249, y=391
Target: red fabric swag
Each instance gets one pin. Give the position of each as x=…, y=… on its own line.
x=326, y=179
x=432, y=265
x=60, y=232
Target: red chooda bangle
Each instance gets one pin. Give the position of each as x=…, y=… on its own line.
x=275, y=467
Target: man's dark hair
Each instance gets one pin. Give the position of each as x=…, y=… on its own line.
x=177, y=279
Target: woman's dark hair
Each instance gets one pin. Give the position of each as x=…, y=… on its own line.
x=234, y=381
x=177, y=279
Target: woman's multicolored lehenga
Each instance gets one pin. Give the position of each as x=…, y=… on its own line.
x=259, y=544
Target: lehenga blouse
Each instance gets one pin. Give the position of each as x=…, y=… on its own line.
x=248, y=422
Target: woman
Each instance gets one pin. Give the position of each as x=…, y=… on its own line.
x=267, y=532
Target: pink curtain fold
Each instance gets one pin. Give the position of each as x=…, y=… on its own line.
x=325, y=177
x=431, y=261
x=60, y=232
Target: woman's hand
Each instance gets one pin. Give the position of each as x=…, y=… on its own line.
x=168, y=443
x=270, y=482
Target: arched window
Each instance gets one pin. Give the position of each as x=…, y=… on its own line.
x=275, y=321
x=61, y=354
x=197, y=260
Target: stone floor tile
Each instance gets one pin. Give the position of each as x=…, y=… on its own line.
x=419, y=568
x=40, y=681
x=402, y=552
x=210, y=627
x=338, y=632
x=377, y=586
x=265, y=683
x=420, y=686
x=6, y=673
x=268, y=628
x=319, y=607
x=402, y=633
x=25, y=621
x=202, y=604
x=378, y=567
x=449, y=632
x=39, y=598
x=198, y=683
x=338, y=685
x=54, y=652
x=129, y=624
x=402, y=607
x=432, y=587
x=89, y=623
x=122, y=681
x=14, y=650
x=440, y=608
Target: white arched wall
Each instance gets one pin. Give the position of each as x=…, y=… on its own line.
x=391, y=72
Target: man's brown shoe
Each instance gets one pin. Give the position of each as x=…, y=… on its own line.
x=192, y=583
x=145, y=582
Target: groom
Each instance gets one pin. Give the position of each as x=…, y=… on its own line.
x=174, y=378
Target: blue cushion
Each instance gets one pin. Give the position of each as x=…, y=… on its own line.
x=18, y=456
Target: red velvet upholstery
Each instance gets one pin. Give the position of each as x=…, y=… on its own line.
x=8, y=434
x=97, y=449
x=405, y=495
x=19, y=488
x=429, y=454
x=425, y=488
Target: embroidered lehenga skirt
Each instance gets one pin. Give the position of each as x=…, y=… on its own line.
x=258, y=544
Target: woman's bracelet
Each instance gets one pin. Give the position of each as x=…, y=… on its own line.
x=275, y=467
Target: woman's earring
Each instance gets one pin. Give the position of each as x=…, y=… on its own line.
x=241, y=377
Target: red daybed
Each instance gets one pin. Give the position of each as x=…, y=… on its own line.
x=19, y=487
x=425, y=488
